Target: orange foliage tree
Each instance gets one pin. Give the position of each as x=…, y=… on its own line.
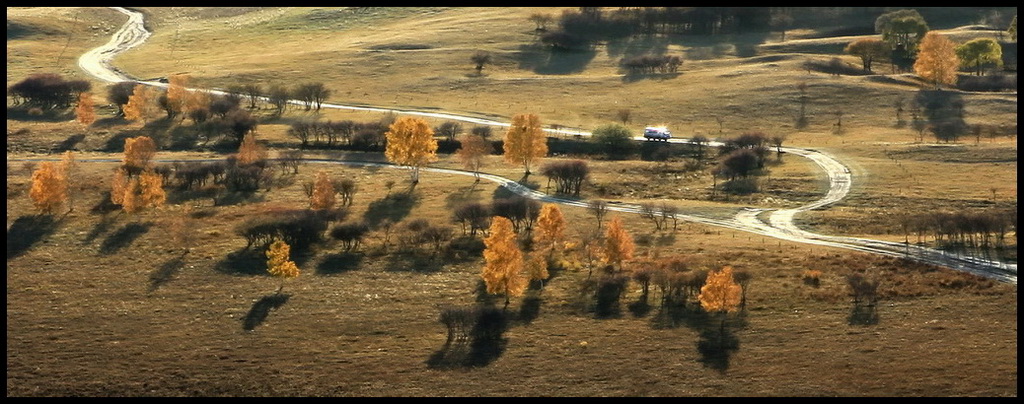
x=410, y=142
x=250, y=152
x=550, y=228
x=279, y=262
x=525, y=141
x=178, y=94
x=537, y=268
x=618, y=244
x=138, y=153
x=322, y=196
x=721, y=294
x=503, y=261
x=474, y=149
x=69, y=167
x=937, y=61
x=49, y=187
x=85, y=111
x=141, y=104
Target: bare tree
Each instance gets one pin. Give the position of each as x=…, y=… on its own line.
x=599, y=209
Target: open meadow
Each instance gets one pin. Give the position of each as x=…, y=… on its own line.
x=175, y=301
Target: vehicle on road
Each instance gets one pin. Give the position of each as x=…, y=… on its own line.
x=657, y=133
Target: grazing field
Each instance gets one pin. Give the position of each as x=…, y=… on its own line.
x=171, y=301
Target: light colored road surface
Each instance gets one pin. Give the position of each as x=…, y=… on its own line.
x=781, y=225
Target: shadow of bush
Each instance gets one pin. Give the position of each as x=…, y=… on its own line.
x=165, y=272
x=414, y=261
x=124, y=237
x=863, y=315
x=243, y=262
x=28, y=230
x=486, y=342
x=339, y=263
x=394, y=208
x=529, y=309
x=261, y=309
x=716, y=346
x=69, y=143
x=21, y=114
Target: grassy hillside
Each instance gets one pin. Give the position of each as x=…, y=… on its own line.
x=105, y=303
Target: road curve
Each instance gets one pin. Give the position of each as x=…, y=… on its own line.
x=97, y=63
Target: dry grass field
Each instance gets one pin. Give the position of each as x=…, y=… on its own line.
x=104, y=304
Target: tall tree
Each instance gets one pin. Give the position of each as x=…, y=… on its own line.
x=252, y=91
x=85, y=112
x=49, y=187
x=618, y=244
x=503, y=261
x=322, y=196
x=868, y=49
x=119, y=186
x=474, y=149
x=119, y=93
x=69, y=166
x=980, y=52
x=550, y=228
x=937, y=61
x=279, y=262
x=525, y=141
x=410, y=142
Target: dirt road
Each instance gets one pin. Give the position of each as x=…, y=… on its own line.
x=780, y=223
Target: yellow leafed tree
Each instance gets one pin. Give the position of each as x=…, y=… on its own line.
x=411, y=143
x=85, y=111
x=119, y=186
x=525, y=141
x=279, y=262
x=151, y=189
x=322, y=196
x=69, y=167
x=937, y=61
x=49, y=188
x=141, y=104
x=720, y=292
x=503, y=261
x=138, y=153
x=618, y=244
x=178, y=94
x=537, y=268
x=550, y=227
x=250, y=151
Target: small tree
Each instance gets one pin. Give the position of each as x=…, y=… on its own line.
x=542, y=20
x=599, y=209
x=250, y=152
x=49, y=187
x=721, y=294
x=323, y=192
x=410, y=142
x=449, y=130
x=614, y=139
x=474, y=149
x=502, y=272
x=618, y=244
x=142, y=104
x=550, y=228
x=623, y=115
x=138, y=153
x=525, y=141
x=151, y=190
x=85, y=112
x=537, y=268
x=869, y=50
x=279, y=262
x=980, y=52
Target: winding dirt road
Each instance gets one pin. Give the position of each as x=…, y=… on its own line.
x=781, y=225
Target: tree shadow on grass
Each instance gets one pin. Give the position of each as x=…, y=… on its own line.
x=244, y=261
x=393, y=208
x=124, y=237
x=102, y=227
x=69, y=143
x=261, y=309
x=863, y=315
x=642, y=307
x=716, y=345
x=485, y=343
x=165, y=272
x=339, y=263
x=28, y=230
x=529, y=309
x=414, y=261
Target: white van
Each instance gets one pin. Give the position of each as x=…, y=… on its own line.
x=657, y=133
